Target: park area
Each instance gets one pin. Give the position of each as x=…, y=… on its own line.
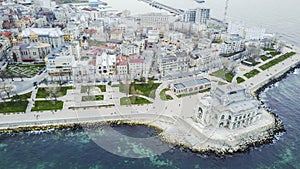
x=228, y=76
x=47, y=105
x=133, y=100
x=52, y=92
x=24, y=71
x=276, y=61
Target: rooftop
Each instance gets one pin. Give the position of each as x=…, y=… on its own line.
x=191, y=83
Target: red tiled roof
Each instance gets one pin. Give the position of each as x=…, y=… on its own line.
x=107, y=47
x=121, y=58
x=90, y=31
x=7, y=34
x=28, y=59
x=122, y=63
x=136, y=61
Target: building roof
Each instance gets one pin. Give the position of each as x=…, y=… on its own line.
x=191, y=83
x=230, y=88
x=240, y=107
x=52, y=32
x=136, y=61
x=7, y=34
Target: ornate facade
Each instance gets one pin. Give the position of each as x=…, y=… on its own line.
x=53, y=36
x=31, y=51
x=229, y=106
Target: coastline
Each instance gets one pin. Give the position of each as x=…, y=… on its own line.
x=261, y=135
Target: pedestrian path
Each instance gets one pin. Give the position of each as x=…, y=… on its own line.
x=31, y=100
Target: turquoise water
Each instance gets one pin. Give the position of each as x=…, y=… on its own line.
x=75, y=149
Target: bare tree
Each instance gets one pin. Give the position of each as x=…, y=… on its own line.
x=2, y=75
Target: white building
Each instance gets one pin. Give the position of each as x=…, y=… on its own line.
x=232, y=44
x=191, y=86
x=122, y=65
x=130, y=49
x=155, y=20
x=152, y=36
x=60, y=63
x=198, y=15
x=53, y=36
x=205, y=60
x=229, y=106
x=137, y=68
x=170, y=64
x=105, y=64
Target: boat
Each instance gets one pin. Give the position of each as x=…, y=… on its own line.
x=199, y=1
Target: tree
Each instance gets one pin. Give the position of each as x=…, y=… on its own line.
x=133, y=92
x=2, y=75
x=15, y=59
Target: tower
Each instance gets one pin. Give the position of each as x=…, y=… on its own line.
x=33, y=37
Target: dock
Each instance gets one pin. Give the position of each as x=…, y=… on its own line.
x=163, y=6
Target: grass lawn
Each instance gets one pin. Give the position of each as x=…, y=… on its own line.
x=189, y=94
x=224, y=75
x=251, y=73
x=120, y=86
x=95, y=43
x=268, y=49
x=264, y=57
x=47, y=105
x=273, y=53
x=102, y=88
x=240, y=80
x=92, y=98
x=252, y=61
x=24, y=70
x=22, y=97
x=13, y=107
x=164, y=96
x=125, y=101
x=146, y=89
x=45, y=92
x=129, y=100
x=277, y=60
x=84, y=89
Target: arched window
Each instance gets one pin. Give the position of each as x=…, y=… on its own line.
x=222, y=117
x=221, y=124
x=200, y=110
x=229, y=117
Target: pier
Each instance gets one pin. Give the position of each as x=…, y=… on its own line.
x=163, y=6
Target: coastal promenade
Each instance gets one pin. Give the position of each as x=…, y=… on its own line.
x=174, y=117
x=265, y=76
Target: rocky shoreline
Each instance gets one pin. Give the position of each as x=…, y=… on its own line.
x=245, y=146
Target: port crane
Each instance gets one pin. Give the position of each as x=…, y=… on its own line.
x=225, y=11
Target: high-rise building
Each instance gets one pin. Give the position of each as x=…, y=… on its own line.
x=198, y=15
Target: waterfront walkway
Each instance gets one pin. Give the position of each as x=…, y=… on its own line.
x=175, y=117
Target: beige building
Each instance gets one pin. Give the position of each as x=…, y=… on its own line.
x=52, y=36
x=32, y=51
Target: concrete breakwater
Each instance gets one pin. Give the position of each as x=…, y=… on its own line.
x=176, y=131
